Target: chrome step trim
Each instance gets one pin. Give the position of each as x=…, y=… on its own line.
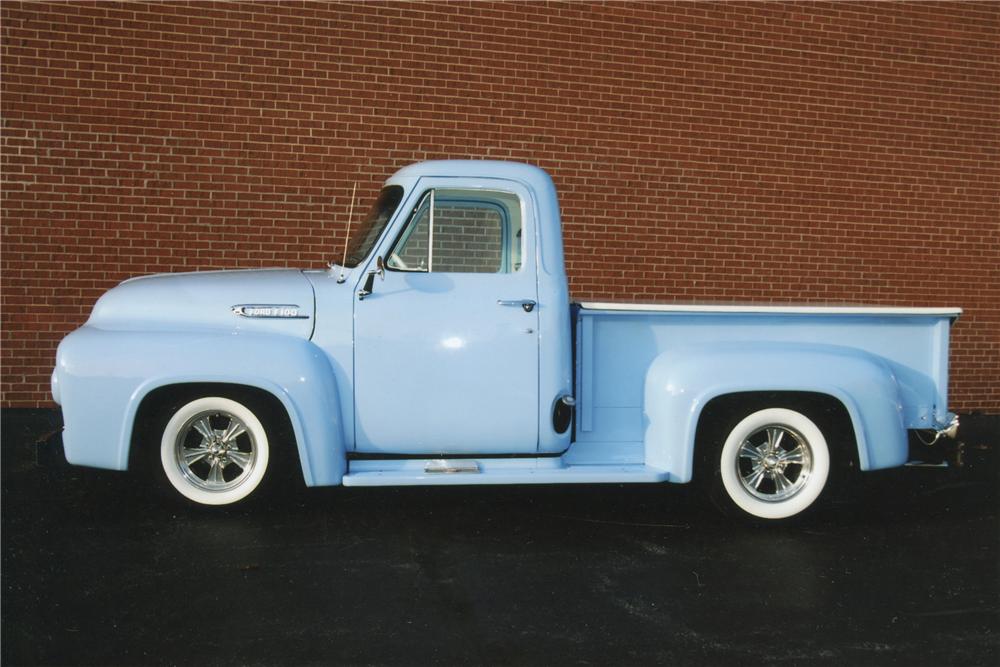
x=923, y=464
x=451, y=467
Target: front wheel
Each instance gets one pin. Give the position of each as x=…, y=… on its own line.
x=773, y=465
x=214, y=451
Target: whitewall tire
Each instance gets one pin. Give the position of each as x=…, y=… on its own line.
x=774, y=464
x=214, y=451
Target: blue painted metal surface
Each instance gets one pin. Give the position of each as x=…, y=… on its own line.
x=551, y=470
x=204, y=300
x=543, y=256
x=436, y=354
x=886, y=370
x=105, y=375
x=430, y=363
x=682, y=381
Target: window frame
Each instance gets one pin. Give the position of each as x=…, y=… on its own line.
x=506, y=256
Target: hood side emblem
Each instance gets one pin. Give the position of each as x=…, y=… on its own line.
x=269, y=311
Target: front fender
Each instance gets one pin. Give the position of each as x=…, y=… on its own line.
x=104, y=375
x=681, y=381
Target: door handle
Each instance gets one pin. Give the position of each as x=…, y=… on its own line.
x=527, y=304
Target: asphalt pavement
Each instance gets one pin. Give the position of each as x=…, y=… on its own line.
x=98, y=570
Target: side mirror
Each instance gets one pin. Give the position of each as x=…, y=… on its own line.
x=369, y=285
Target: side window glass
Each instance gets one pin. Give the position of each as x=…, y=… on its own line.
x=410, y=252
x=461, y=231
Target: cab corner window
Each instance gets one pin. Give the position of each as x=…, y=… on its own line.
x=461, y=231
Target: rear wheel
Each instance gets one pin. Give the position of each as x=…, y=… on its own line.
x=214, y=451
x=774, y=465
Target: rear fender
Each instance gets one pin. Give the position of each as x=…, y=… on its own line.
x=682, y=381
x=105, y=375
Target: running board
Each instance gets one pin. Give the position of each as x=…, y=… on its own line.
x=451, y=472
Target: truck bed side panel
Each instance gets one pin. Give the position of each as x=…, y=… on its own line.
x=616, y=349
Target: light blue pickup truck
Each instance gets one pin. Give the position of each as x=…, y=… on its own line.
x=444, y=349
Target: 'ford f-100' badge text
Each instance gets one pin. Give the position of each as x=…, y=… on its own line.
x=269, y=311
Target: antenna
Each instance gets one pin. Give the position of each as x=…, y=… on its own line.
x=347, y=235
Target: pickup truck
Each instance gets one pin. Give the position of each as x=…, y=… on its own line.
x=445, y=349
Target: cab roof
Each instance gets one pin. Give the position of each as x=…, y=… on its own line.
x=515, y=171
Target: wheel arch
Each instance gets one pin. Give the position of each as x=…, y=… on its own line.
x=104, y=376
x=146, y=410
x=681, y=384
x=827, y=411
x=319, y=443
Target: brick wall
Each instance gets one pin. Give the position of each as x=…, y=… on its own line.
x=839, y=152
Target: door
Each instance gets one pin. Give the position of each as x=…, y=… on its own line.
x=446, y=346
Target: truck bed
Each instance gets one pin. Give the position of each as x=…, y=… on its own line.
x=617, y=342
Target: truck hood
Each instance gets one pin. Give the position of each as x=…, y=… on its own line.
x=265, y=301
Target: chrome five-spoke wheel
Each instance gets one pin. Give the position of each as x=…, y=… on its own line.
x=774, y=464
x=214, y=451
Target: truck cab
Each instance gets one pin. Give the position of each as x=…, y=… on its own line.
x=461, y=344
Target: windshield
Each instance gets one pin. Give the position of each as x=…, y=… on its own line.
x=364, y=237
